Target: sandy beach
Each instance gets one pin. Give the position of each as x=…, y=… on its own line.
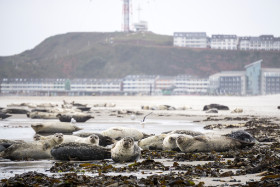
x=258, y=112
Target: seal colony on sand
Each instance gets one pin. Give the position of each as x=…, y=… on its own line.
x=125, y=151
x=33, y=150
x=54, y=127
x=118, y=133
x=80, y=151
x=216, y=143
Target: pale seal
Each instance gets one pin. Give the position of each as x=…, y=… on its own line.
x=54, y=127
x=80, y=151
x=208, y=143
x=122, y=132
x=169, y=142
x=152, y=142
x=92, y=139
x=186, y=132
x=33, y=150
x=125, y=150
x=103, y=140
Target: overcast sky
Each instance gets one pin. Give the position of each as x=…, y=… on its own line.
x=26, y=23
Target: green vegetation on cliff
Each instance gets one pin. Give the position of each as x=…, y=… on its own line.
x=115, y=55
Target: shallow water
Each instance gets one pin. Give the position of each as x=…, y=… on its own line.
x=19, y=128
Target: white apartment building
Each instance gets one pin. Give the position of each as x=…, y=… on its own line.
x=139, y=84
x=228, y=82
x=263, y=42
x=185, y=84
x=190, y=39
x=29, y=86
x=270, y=81
x=96, y=85
x=225, y=42
x=164, y=85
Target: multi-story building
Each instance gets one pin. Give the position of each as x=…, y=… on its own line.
x=95, y=86
x=190, y=39
x=139, y=84
x=228, y=83
x=185, y=84
x=164, y=85
x=253, y=77
x=226, y=42
x=33, y=86
x=270, y=81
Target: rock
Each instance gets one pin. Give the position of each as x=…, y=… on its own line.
x=217, y=106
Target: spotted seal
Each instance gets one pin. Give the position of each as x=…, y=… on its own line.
x=125, y=150
x=80, y=151
x=103, y=140
x=212, y=143
x=92, y=139
x=169, y=142
x=152, y=142
x=122, y=132
x=32, y=150
x=54, y=127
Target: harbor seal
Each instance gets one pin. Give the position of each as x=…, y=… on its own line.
x=103, y=140
x=207, y=144
x=41, y=115
x=186, y=132
x=92, y=139
x=242, y=136
x=32, y=150
x=118, y=133
x=80, y=151
x=125, y=150
x=54, y=127
x=152, y=142
x=77, y=117
x=4, y=115
x=169, y=142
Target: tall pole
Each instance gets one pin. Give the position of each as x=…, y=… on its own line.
x=126, y=15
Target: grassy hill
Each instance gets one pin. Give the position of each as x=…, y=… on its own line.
x=115, y=55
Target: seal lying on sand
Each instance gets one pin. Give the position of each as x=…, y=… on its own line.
x=152, y=142
x=103, y=140
x=54, y=127
x=77, y=117
x=169, y=142
x=80, y=151
x=92, y=139
x=206, y=143
x=4, y=115
x=187, y=132
x=41, y=115
x=118, y=133
x=33, y=150
x=125, y=151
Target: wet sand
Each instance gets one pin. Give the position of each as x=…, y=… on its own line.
x=192, y=118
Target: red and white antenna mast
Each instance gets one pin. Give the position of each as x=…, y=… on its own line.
x=126, y=13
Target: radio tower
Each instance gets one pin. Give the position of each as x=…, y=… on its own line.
x=126, y=12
